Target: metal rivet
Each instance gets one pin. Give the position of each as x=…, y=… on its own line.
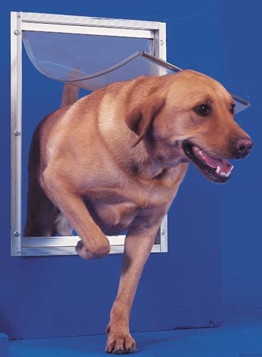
x=16, y=234
x=162, y=232
x=161, y=42
x=17, y=32
x=17, y=133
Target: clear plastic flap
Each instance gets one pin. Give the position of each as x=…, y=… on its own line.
x=92, y=62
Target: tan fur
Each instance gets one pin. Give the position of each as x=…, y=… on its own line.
x=113, y=161
x=70, y=95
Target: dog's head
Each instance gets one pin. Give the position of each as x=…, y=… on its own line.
x=191, y=117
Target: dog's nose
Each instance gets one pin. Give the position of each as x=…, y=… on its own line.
x=243, y=147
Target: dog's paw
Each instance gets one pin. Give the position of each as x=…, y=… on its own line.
x=96, y=253
x=82, y=251
x=120, y=344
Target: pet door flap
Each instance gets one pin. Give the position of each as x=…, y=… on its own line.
x=92, y=62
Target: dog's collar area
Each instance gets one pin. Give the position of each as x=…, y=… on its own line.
x=216, y=170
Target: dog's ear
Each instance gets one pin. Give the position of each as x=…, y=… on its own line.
x=140, y=117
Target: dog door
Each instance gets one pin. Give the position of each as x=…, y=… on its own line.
x=90, y=53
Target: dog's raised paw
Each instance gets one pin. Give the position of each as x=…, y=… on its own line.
x=99, y=252
x=82, y=251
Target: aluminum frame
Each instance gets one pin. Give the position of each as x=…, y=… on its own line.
x=155, y=31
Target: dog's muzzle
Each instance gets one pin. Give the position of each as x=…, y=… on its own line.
x=215, y=169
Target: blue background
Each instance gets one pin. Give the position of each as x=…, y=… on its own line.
x=61, y=296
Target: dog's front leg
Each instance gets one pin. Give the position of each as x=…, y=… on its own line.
x=138, y=245
x=94, y=243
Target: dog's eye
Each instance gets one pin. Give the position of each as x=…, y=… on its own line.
x=203, y=110
x=232, y=108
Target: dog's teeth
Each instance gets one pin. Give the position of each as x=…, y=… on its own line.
x=200, y=152
x=218, y=170
x=231, y=168
x=224, y=174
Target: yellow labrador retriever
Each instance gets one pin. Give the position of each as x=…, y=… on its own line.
x=113, y=161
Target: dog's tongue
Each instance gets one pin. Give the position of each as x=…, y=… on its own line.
x=224, y=165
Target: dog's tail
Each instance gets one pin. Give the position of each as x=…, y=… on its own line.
x=70, y=94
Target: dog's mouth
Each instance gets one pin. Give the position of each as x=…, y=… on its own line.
x=216, y=170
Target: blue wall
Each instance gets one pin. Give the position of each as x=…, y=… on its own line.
x=59, y=296
x=242, y=197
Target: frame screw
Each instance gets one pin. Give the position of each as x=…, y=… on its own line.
x=17, y=133
x=161, y=42
x=162, y=232
x=17, y=32
x=16, y=234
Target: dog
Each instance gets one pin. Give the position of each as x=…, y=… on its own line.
x=113, y=161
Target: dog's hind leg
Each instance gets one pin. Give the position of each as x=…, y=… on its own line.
x=63, y=226
x=41, y=212
x=43, y=217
